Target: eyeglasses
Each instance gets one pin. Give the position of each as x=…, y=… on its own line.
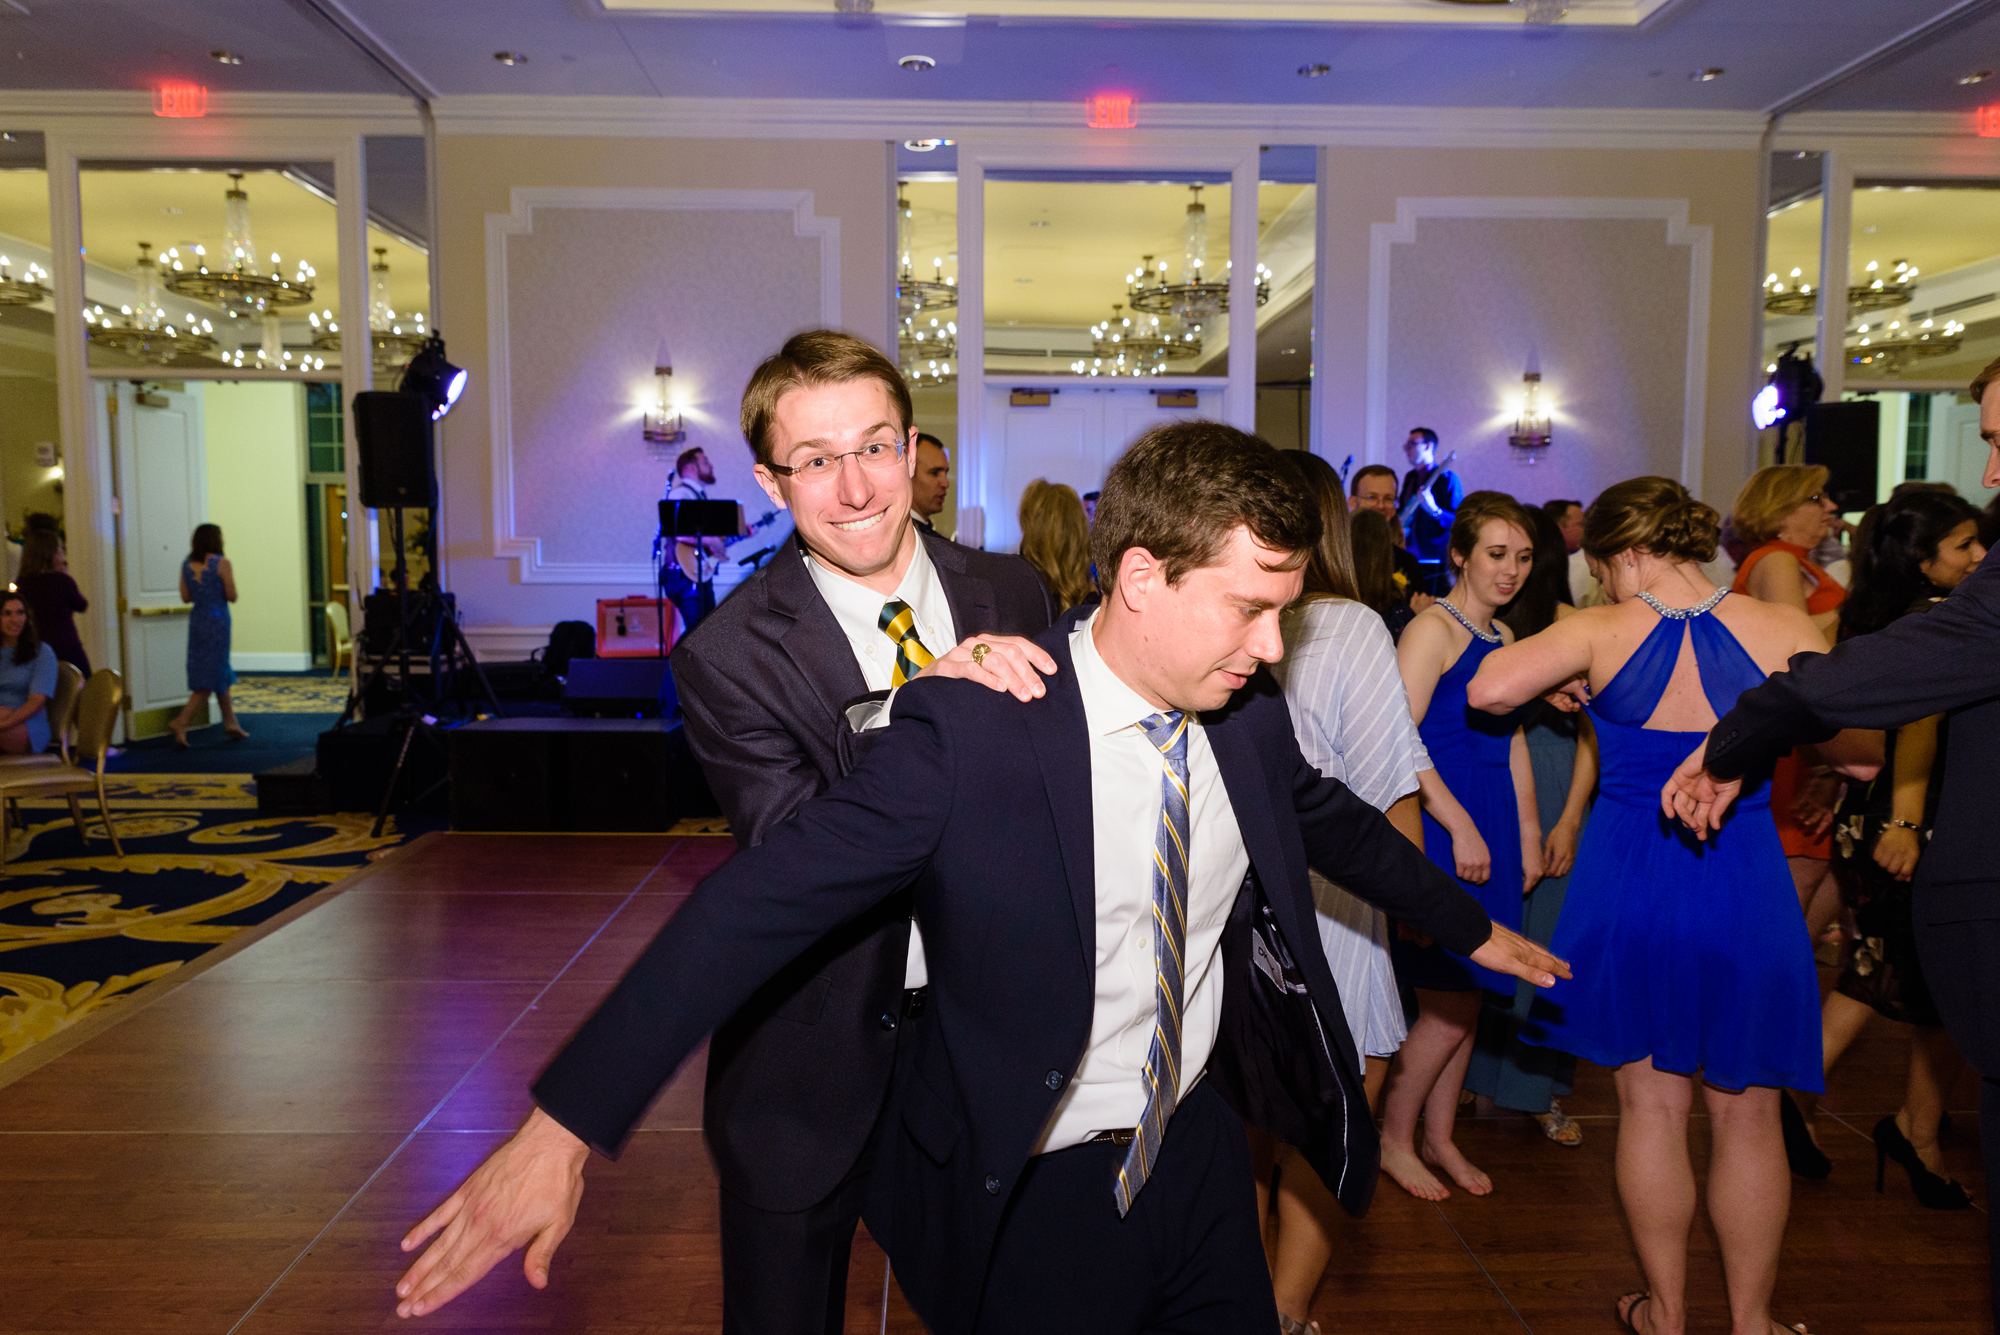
x=821, y=468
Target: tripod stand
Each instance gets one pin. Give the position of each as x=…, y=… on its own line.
x=448, y=655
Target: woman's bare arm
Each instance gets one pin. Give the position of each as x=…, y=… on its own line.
x=1523, y=771
x=228, y=574
x=1559, y=849
x=1514, y=674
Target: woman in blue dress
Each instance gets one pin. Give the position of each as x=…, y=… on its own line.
x=1480, y=822
x=209, y=584
x=27, y=680
x=1691, y=964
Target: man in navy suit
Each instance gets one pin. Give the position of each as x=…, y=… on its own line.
x=1111, y=882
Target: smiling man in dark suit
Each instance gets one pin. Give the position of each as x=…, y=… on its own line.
x=1121, y=943
x=768, y=684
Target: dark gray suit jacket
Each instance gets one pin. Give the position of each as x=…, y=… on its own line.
x=1946, y=661
x=796, y=1078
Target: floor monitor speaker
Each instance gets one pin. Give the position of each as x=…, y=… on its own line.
x=394, y=433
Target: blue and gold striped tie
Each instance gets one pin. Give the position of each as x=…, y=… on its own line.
x=899, y=623
x=1169, y=733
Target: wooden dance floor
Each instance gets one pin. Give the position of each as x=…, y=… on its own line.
x=243, y=1153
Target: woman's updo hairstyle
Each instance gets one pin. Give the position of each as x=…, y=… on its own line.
x=1655, y=515
x=1478, y=509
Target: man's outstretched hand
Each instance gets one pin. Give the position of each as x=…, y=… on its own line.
x=1510, y=952
x=1697, y=798
x=524, y=1194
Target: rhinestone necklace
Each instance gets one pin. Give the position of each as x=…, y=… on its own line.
x=1681, y=613
x=1490, y=636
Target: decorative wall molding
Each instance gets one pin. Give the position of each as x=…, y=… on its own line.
x=525, y=550
x=886, y=118
x=1679, y=232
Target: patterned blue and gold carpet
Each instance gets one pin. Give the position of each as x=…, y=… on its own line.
x=82, y=931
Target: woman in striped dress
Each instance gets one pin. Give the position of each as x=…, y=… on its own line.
x=1353, y=723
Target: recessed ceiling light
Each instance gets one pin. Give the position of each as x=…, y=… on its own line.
x=915, y=63
x=1709, y=75
x=510, y=57
x=1314, y=71
x=225, y=57
x=1977, y=76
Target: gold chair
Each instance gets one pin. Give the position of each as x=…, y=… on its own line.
x=339, y=643
x=61, y=707
x=96, y=715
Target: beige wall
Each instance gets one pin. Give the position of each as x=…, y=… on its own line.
x=721, y=295
x=27, y=416
x=1720, y=189
x=253, y=434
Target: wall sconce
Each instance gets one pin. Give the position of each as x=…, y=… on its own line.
x=663, y=421
x=1531, y=429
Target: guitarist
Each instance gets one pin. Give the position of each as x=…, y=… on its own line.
x=689, y=578
x=1426, y=506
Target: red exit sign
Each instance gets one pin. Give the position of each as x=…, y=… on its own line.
x=1109, y=111
x=1987, y=121
x=180, y=100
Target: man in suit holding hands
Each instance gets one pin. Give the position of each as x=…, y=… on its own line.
x=1111, y=880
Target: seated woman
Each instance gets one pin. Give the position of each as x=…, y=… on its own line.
x=27, y=680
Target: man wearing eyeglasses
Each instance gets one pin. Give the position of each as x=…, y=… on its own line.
x=779, y=685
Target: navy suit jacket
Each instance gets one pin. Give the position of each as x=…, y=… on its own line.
x=798, y=1075
x=1944, y=661
x=986, y=803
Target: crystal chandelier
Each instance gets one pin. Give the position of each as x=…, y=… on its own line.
x=31, y=287
x=1875, y=293
x=1146, y=345
x=237, y=287
x=1895, y=345
x=145, y=330
x=927, y=351
x=913, y=294
x=392, y=341
x=1197, y=298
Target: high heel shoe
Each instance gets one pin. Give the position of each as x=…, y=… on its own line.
x=1933, y=1191
x=1806, y=1159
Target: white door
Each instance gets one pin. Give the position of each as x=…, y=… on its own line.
x=1074, y=438
x=1962, y=460
x=162, y=493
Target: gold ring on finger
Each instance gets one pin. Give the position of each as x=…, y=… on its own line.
x=979, y=652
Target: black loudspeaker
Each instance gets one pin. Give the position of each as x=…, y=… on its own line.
x=1844, y=439
x=394, y=432
x=620, y=688
x=574, y=774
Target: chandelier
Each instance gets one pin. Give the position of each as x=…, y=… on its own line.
x=928, y=351
x=1196, y=298
x=31, y=287
x=1123, y=345
x=390, y=343
x=145, y=330
x=237, y=287
x=1874, y=294
x=1895, y=345
x=272, y=353
x=913, y=294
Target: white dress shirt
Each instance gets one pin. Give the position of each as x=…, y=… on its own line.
x=1108, y=1090
x=858, y=609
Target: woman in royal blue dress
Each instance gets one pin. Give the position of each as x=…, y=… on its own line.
x=207, y=582
x=1691, y=962
x=1480, y=822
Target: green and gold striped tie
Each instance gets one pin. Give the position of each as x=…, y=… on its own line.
x=899, y=623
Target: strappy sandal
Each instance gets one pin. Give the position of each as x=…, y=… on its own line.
x=1626, y=1310
x=1560, y=1127
x=1287, y=1326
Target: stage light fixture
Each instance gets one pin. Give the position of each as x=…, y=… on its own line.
x=431, y=376
x=1794, y=387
